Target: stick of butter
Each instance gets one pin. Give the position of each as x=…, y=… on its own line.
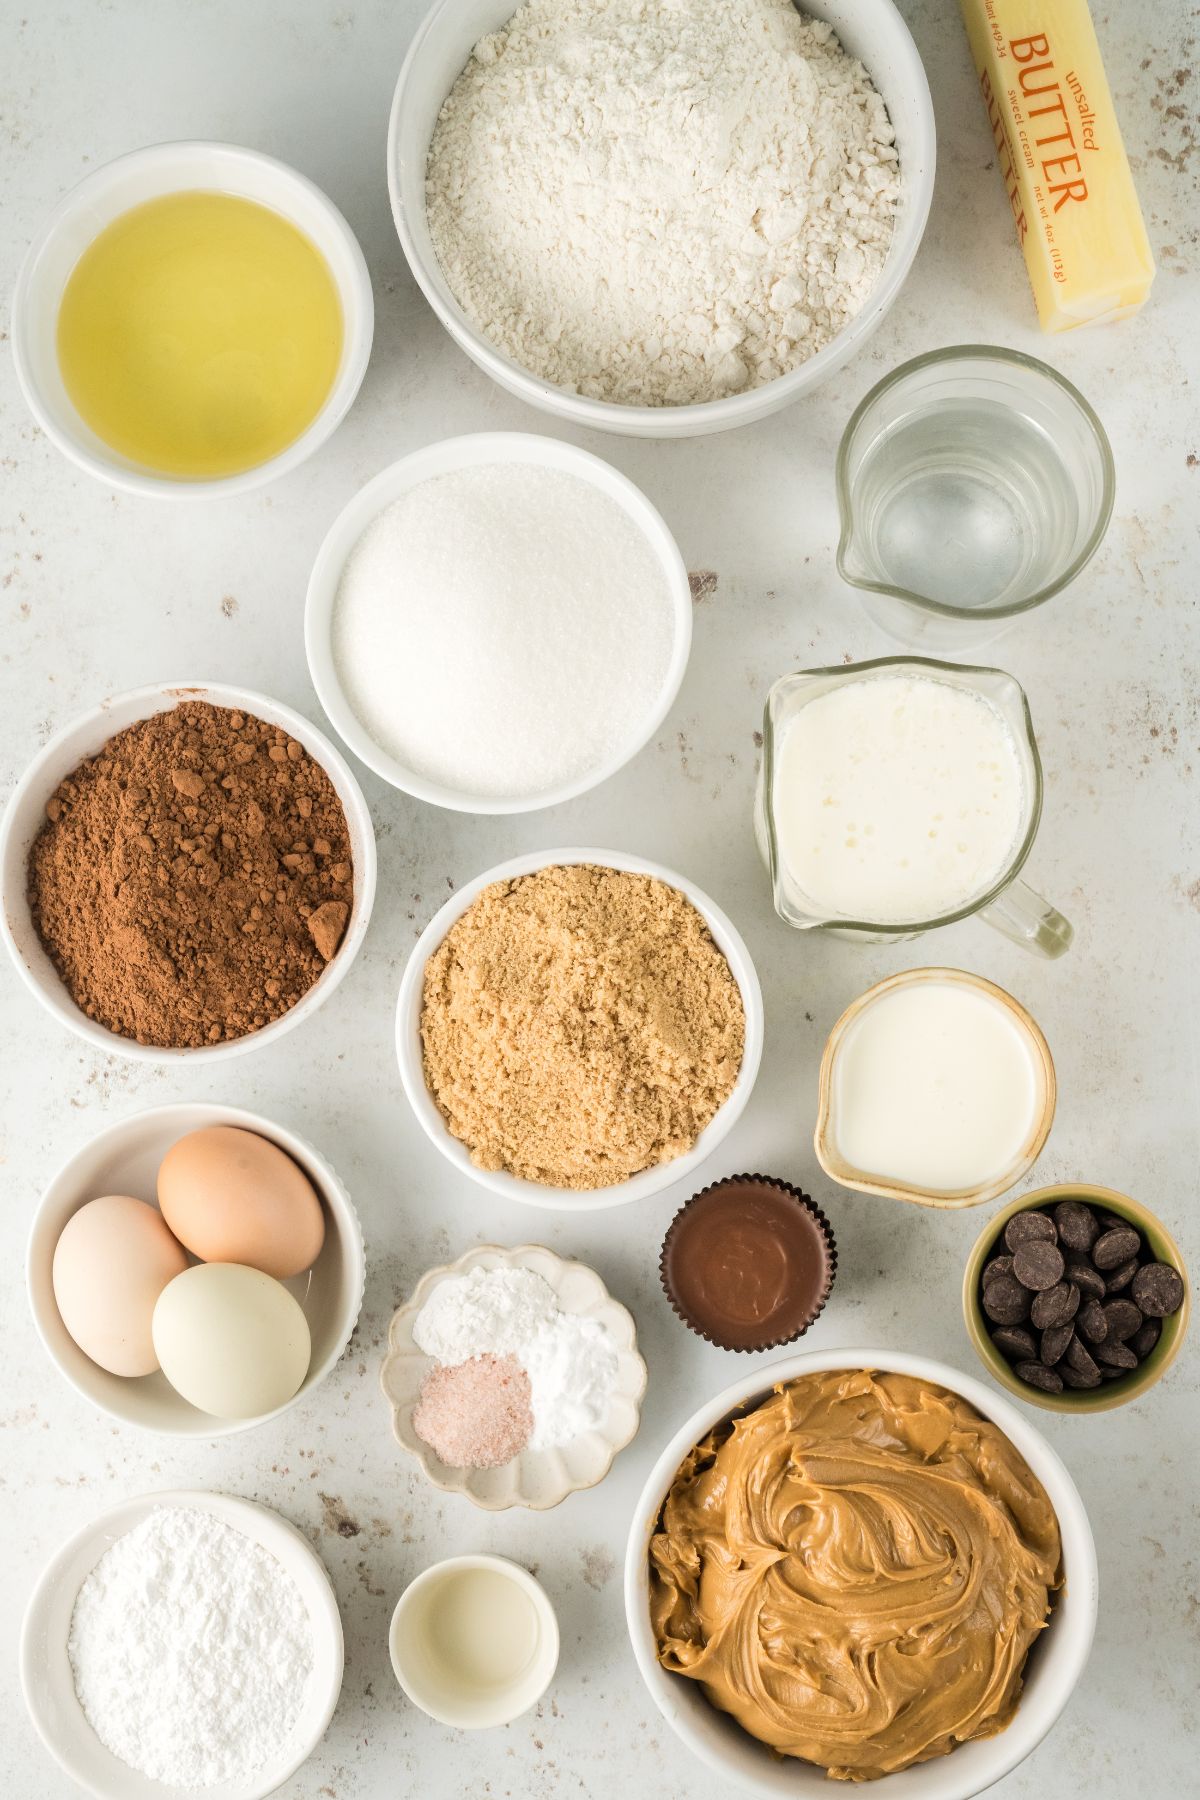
x=1062, y=159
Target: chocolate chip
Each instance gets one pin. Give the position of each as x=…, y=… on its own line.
x=1079, y=1358
x=999, y=1265
x=1029, y=1228
x=1088, y=1280
x=1158, y=1289
x=1112, y=1374
x=1121, y=1276
x=1123, y=1318
x=1037, y=1264
x=1006, y=1301
x=1110, y=1221
x=1116, y=1356
x=1115, y=1247
x=1055, y=1342
x=1077, y=1225
x=1143, y=1340
x=1073, y=1378
x=1055, y=1306
x=1092, y=1322
x=1037, y=1375
x=1016, y=1343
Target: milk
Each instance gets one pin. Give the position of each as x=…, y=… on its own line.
x=936, y=1086
x=897, y=799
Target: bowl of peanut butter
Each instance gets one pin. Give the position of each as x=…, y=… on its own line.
x=870, y=1567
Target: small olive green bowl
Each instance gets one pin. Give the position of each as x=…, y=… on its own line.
x=1113, y=1393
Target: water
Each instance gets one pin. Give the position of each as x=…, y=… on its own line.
x=967, y=502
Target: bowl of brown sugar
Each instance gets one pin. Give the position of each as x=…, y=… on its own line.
x=578, y=1028
x=187, y=872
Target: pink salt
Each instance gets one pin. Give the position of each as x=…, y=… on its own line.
x=475, y=1414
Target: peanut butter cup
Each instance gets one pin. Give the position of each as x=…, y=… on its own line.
x=748, y=1262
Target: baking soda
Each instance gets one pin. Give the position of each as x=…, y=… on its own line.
x=503, y=630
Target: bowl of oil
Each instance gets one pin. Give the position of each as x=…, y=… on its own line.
x=193, y=318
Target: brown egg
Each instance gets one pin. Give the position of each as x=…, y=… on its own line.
x=112, y=1260
x=233, y=1197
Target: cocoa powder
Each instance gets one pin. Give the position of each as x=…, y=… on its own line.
x=193, y=879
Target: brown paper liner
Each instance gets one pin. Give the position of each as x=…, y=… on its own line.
x=801, y=1199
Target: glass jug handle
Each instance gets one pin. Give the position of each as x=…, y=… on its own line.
x=1022, y=915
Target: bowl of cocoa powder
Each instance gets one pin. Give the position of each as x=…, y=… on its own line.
x=187, y=872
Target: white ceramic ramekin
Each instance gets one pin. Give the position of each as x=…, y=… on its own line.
x=872, y=30
x=124, y=1159
x=26, y=812
x=475, y=451
x=1055, y=1664
x=420, y=1669
x=49, y=1687
x=538, y=1479
x=102, y=197
x=532, y=1193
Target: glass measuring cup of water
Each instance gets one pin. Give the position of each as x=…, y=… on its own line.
x=973, y=484
x=1005, y=902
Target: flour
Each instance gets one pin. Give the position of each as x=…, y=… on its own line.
x=571, y=1361
x=191, y=1650
x=657, y=202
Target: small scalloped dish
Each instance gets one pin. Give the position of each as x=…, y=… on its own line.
x=537, y=1479
x=1018, y=1157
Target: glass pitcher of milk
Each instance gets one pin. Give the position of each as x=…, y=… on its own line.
x=899, y=795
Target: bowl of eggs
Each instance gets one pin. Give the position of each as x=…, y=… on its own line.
x=195, y=1270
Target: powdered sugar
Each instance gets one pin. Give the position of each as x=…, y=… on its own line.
x=191, y=1650
x=503, y=629
x=571, y=1361
x=656, y=202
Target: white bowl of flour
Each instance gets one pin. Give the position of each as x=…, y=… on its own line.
x=666, y=223
x=498, y=623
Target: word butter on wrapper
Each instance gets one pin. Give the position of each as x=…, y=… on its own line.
x=1061, y=158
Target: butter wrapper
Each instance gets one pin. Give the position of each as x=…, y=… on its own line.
x=1061, y=158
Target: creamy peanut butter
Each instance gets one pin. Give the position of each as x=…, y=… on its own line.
x=855, y=1571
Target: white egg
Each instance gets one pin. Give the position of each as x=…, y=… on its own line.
x=231, y=1340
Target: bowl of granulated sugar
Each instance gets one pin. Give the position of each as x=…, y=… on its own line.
x=498, y=623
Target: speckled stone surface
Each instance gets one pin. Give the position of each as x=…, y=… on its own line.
x=100, y=592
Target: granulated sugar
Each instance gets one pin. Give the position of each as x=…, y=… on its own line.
x=503, y=630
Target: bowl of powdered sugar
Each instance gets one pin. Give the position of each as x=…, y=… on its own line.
x=498, y=623
x=660, y=219
x=182, y=1642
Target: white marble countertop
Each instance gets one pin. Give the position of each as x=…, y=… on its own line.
x=100, y=592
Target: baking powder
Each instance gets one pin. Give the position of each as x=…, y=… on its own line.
x=191, y=1651
x=655, y=202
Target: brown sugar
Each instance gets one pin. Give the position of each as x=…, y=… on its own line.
x=580, y=1025
x=193, y=878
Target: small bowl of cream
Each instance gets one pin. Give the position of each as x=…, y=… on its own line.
x=936, y=1087
x=474, y=1641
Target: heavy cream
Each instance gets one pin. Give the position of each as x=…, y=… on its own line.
x=936, y=1085
x=897, y=799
